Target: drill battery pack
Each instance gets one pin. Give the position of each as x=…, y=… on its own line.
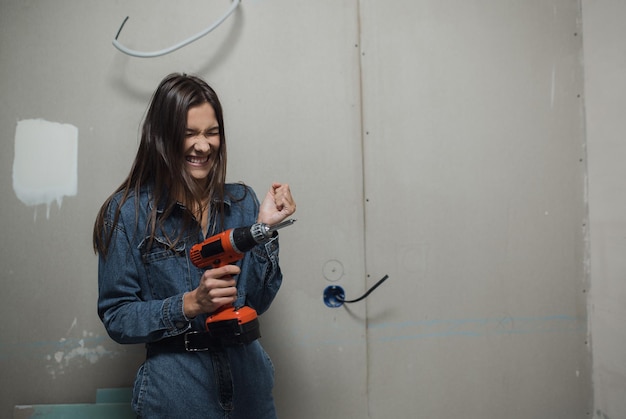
x=234, y=326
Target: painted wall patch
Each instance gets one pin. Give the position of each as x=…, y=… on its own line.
x=45, y=165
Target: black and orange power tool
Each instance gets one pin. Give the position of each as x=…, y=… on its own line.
x=229, y=322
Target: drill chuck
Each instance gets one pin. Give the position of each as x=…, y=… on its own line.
x=260, y=232
x=243, y=239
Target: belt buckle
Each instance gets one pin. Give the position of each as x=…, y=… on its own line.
x=187, y=343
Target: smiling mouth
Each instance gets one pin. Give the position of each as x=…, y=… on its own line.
x=197, y=160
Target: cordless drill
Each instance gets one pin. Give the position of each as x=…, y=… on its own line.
x=239, y=325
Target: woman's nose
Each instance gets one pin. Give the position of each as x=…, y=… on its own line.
x=202, y=144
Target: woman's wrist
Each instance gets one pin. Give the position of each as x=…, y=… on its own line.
x=189, y=306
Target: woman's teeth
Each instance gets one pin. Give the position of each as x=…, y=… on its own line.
x=197, y=160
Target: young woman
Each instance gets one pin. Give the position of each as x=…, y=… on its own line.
x=149, y=291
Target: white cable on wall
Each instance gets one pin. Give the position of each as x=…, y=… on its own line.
x=181, y=44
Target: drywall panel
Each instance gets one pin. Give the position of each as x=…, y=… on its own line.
x=287, y=73
x=474, y=185
x=605, y=89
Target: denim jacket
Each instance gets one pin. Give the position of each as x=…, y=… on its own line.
x=140, y=300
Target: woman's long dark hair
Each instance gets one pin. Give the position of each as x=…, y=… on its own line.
x=159, y=162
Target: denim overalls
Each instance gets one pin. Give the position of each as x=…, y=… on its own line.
x=141, y=301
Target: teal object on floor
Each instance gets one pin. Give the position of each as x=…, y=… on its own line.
x=114, y=395
x=110, y=403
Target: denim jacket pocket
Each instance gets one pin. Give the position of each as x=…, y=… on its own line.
x=167, y=267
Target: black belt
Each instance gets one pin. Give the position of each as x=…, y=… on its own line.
x=220, y=334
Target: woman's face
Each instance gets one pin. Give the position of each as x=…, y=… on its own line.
x=202, y=139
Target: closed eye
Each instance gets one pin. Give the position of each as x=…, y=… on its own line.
x=209, y=133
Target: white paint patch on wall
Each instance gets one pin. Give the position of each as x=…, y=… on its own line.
x=45, y=166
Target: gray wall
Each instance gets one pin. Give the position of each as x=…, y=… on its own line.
x=605, y=87
x=474, y=173
x=439, y=142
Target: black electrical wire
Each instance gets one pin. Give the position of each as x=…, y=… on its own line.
x=120, y=29
x=376, y=285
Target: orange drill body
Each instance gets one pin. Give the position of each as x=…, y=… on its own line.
x=218, y=249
